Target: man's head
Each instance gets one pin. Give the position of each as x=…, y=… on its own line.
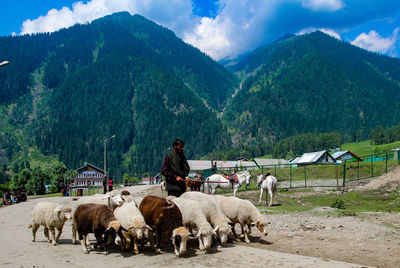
x=178, y=145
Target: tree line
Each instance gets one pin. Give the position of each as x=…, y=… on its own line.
x=34, y=181
x=380, y=135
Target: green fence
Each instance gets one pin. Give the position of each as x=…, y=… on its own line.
x=324, y=175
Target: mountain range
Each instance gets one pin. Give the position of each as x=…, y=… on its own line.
x=64, y=93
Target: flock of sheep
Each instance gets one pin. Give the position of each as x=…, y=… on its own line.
x=124, y=219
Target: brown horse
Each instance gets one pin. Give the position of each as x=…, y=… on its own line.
x=194, y=184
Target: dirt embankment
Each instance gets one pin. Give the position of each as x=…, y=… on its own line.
x=388, y=182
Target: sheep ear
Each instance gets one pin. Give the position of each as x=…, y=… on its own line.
x=57, y=210
x=172, y=237
x=149, y=228
x=106, y=196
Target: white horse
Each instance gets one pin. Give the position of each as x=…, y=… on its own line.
x=268, y=183
x=218, y=181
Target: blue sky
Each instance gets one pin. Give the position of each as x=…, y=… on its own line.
x=224, y=28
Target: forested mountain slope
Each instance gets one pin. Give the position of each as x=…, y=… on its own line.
x=312, y=83
x=122, y=75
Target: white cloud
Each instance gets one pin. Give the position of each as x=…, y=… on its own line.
x=211, y=35
x=323, y=5
x=172, y=14
x=330, y=32
x=374, y=42
x=238, y=27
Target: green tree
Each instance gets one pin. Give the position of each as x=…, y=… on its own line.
x=36, y=184
x=378, y=135
x=57, y=174
x=19, y=180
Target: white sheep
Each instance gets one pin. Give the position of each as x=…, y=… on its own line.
x=213, y=214
x=112, y=199
x=194, y=218
x=52, y=216
x=243, y=212
x=132, y=220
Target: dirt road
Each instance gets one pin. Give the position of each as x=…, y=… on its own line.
x=17, y=249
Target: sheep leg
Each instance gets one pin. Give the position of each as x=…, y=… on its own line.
x=83, y=243
x=158, y=241
x=46, y=233
x=234, y=232
x=242, y=229
x=249, y=228
x=135, y=246
x=59, y=233
x=245, y=235
x=73, y=234
x=201, y=244
x=127, y=238
x=53, y=235
x=151, y=238
x=35, y=227
x=99, y=240
x=106, y=238
x=88, y=244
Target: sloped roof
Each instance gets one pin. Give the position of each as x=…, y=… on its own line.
x=340, y=154
x=242, y=163
x=309, y=158
x=199, y=164
x=206, y=164
x=89, y=165
x=271, y=162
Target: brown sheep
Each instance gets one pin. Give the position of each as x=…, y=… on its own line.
x=97, y=219
x=165, y=218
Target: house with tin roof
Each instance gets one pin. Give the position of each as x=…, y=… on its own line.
x=314, y=158
x=346, y=156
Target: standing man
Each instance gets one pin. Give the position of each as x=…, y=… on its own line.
x=175, y=169
x=105, y=181
x=110, y=184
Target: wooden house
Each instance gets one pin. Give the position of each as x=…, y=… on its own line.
x=88, y=176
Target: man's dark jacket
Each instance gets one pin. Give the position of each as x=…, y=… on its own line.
x=175, y=164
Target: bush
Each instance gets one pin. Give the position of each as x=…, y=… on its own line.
x=339, y=204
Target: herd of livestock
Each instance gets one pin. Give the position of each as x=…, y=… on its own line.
x=126, y=220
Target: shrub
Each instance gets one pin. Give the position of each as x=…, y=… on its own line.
x=339, y=204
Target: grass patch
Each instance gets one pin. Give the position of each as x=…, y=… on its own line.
x=359, y=201
x=366, y=148
x=350, y=203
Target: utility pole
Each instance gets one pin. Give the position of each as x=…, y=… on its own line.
x=105, y=156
